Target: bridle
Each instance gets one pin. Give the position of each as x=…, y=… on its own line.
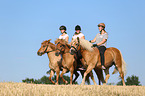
x=48, y=51
x=76, y=47
x=59, y=49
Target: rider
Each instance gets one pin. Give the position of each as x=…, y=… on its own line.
x=64, y=35
x=79, y=34
x=101, y=41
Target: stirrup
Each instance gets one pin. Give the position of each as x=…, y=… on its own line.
x=103, y=68
x=81, y=68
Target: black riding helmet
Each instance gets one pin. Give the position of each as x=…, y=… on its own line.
x=62, y=28
x=78, y=28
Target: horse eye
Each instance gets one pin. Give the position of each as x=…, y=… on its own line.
x=43, y=45
x=76, y=44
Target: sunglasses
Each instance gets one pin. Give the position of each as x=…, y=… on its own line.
x=100, y=26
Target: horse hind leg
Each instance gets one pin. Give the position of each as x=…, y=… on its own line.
x=76, y=76
x=61, y=75
x=107, y=75
x=121, y=75
x=100, y=76
x=51, y=75
x=92, y=77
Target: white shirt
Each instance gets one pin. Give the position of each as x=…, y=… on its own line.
x=63, y=37
x=78, y=35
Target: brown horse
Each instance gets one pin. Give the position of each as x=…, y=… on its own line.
x=92, y=58
x=69, y=62
x=55, y=62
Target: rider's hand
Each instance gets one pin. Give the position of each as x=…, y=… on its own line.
x=94, y=45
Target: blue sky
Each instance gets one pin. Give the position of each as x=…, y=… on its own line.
x=25, y=24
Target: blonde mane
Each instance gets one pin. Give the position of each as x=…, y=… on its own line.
x=85, y=44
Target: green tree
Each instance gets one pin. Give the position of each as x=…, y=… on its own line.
x=27, y=80
x=133, y=80
x=45, y=80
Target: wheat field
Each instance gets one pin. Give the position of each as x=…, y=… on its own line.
x=23, y=89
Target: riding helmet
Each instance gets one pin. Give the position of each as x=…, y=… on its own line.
x=78, y=28
x=62, y=28
x=102, y=24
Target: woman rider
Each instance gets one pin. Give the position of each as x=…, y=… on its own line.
x=64, y=35
x=79, y=34
x=101, y=41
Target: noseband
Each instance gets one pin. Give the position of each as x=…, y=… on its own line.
x=76, y=47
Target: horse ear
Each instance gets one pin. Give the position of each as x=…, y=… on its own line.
x=56, y=41
x=49, y=40
x=78, y=39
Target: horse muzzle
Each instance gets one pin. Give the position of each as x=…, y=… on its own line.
x=56, y=53
x=72, y=52
x=39, y=53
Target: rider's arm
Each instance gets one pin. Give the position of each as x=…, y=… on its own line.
x=92, y=41
x=83, y=37
x=102, y=42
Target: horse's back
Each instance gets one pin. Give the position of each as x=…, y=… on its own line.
x=113, y=51
x=112, y=54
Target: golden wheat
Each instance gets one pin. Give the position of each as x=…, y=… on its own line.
x=23, y=89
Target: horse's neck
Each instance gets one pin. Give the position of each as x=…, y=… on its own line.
x=67, y=49
x=52, y=56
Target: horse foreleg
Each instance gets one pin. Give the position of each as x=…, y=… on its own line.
x=51, y=75
x=92, y=77
x=99, y=74
x=61, y=75
x=107, y=75
x=76, y=76
x=89, y=68
x=57, y=76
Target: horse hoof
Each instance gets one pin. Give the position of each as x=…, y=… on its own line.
x=82, y=84
x=95, y=83
x=104, y=83
x=66, y=82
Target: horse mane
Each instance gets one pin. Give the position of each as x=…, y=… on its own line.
x=86, y=44
x=52, y=46
x=62, y=41
x=48, y=42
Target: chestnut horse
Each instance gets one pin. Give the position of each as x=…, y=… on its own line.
x=92, y=58
x=69, y=62
x=55, y=62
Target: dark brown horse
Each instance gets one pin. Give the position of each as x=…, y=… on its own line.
x=69, y=62
x=55, y=62
x=92, y=58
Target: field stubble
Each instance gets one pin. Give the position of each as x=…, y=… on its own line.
x=23, y=89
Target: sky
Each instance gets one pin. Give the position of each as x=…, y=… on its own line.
x=25, y=24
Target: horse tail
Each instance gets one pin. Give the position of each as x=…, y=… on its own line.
x=123, y=66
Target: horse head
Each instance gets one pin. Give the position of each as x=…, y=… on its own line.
x=75, y=46
x=46, y=47
x=60, y=46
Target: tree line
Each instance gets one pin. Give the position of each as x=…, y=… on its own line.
x=130, y=80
